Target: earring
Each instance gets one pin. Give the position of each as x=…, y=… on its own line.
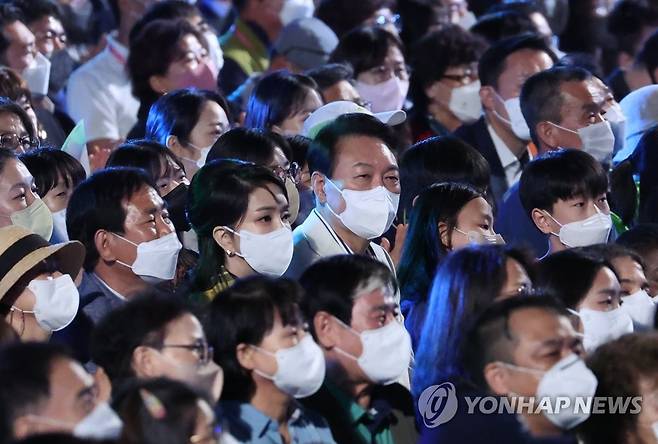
x=230, y=253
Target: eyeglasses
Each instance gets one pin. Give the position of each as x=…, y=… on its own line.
x=382, y=73
x=293, y=172
x=52, y=35
x=385, y=19
x=13, y=142
x=466, y=77
x=200, y=348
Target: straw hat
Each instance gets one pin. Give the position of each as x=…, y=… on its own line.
x=21, y=250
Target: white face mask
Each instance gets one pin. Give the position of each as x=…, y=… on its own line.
x=467, y=21
x=568, y=378
x=293, y=199
x=386, y=96
x=641, y=308
x=296, y=9
x=203, y=154
x=37, y=218
x=101, y=423
x=477, y=238
x=59, y=226
x=37, y=75
x=300, y=368
x=268, y=254
x=386, y=352
x=368, y=214
x=156, y=260
x=583, y=233
x=598, y=140
x=615, y=115
x=465, y=102
x=516, y=120
x=603, y=326
x=57, y=300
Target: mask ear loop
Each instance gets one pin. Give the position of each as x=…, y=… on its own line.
x=229, y=252
x=554, y=220
x=11, y=318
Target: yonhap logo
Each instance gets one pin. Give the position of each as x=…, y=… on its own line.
x=438, y=404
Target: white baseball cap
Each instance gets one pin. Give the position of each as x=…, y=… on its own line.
x=326, y=114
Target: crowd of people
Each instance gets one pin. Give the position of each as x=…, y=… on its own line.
x=328, y=221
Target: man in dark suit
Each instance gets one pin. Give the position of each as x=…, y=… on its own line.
x=501, y=134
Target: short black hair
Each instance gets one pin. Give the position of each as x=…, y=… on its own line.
x=642, y=238
x=541, y=99
x=561, y=175
x=244, y=314
x=489, y=338
x=147, y=155
x=9, y=14
x=249, y=145
x=34, y=10
x=141, y=321
x=324, y=148
x=328, y=75
x=365, y=48
x=626, y=23
x=330, y=284
x=496, y=26
x=569, y=274
x=525, y=7
x=9, y=106
x=440, y=159
x=494, y=60
x=146, y=59
x=610, y=252
x=299, y=146
x=648, y=55
x=47, y=165
x=165, y=10
x=97, y=204
x=276, y=97
x=343, y=16
x=25, y=374
x=178, y=112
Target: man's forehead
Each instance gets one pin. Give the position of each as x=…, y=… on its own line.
x=359, y=149
x=580, y=92
x=538, y=324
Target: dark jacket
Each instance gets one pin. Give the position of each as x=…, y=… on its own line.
x=394, y=402
x=477, y=135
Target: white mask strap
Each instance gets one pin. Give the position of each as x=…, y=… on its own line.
x=563, y=128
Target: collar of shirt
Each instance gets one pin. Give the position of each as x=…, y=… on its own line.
x=110, y=289
x=511, y=164
x=118, y=51
x=260, y=423
x=369, y=251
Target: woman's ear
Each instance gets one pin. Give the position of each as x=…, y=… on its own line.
x=173, y=142
x=158, y=84
x=245, y=354
x=224, y=238
x=444, y=235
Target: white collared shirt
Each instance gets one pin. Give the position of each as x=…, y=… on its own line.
x=511, y=164
x=100, y=92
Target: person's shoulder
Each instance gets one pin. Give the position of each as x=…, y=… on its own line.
x=91, y=69
x=397, y=396
x=469, y=130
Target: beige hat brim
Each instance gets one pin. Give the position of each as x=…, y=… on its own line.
x=70, y=257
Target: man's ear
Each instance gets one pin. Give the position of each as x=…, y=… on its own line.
x=325, y=329
x=542, y=221
x=104, y=240
x=497, y=377
x=547, y=133
x=143, y=362
x=444, y=235
x=488, y=98
x=318, y=181
x=224, y=239
x=245, y=356
x=22, y=427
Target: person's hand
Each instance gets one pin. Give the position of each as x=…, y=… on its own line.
x=99, y=151
x=396, y=250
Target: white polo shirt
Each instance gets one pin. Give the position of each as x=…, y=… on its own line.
x=100, y=92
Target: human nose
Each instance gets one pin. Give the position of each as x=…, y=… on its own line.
x=164, y=227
